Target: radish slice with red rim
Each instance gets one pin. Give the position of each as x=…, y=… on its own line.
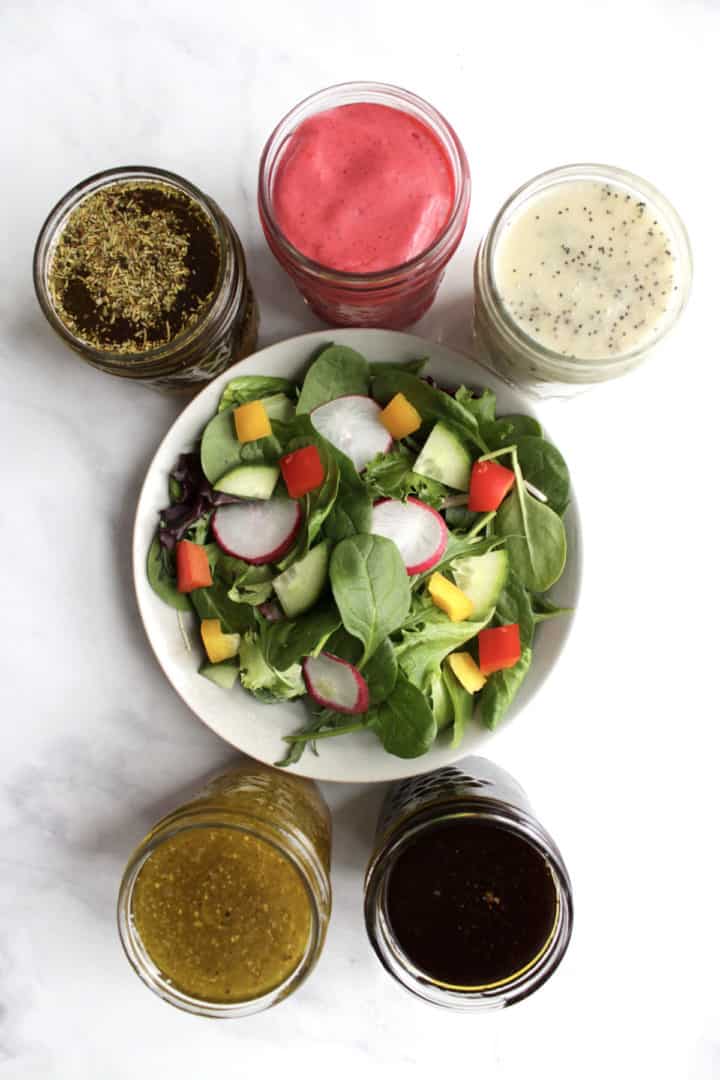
x=352, y=424
x=335, y=684
x=257, y=530
x=417, y=530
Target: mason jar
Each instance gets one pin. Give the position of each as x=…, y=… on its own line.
x=200, y=315
x=468, y=903
x=393, y=297
x=224, y=906
x=635, y=242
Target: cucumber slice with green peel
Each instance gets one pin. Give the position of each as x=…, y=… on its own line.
x=278, y=407
x=482, y=578
x=444, y=458
x=249, y=481
x=300, y=586
x=224, y=674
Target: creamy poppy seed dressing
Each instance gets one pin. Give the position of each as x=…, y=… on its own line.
x=587, y=270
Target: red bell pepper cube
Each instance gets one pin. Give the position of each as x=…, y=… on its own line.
x=193, y=568
x=302, y=471
x=498, y=648
x=489, y=484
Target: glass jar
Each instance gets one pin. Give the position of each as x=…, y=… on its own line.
x=506, y=347
x=392, y=298
x=225, y=328
x=224, y=906
x=477, y=795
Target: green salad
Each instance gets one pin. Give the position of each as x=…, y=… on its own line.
x=368, y=541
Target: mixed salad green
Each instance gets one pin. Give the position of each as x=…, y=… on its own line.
x=326, y=595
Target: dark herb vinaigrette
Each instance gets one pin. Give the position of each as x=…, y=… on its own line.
x=471, y=904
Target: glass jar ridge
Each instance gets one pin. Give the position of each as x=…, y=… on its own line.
x=394, y=297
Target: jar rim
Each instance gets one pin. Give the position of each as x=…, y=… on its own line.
x=506, y=992
x=559, y=364
x=348, y=93
x=146, y=361
x=289, y=846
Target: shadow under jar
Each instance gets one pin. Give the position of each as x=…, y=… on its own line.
x=583, y=272
x=144, y=277
x=223, y=908
x=363, y=196
x=467, y=899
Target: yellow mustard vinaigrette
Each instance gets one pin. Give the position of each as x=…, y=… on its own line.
x=223, y=908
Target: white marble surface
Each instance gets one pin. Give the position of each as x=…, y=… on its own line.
x=620, y=751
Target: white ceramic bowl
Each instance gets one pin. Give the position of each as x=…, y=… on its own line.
x=235, y=715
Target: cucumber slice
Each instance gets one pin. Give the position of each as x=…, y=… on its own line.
x=300, y=585
x=444, y=458
x=224, y=674
x=249, y=481
x=278, y=407
x=482, y=578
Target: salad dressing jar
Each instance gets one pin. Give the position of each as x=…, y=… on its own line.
x=144, y=277
x=467, y=899
x=224, y=906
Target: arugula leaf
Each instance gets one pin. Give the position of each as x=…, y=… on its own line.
x=220, y=449
x=162, y=577
x=404, y=722
x=498, y=692
x=371, y=589
x=462, y=704
x=290, y=640
x=262, y=680
x=536, y=541
x=335, y=372
x=253, y=388
x=431, y=403
x=391, y=476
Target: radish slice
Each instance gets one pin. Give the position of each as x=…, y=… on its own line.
x=335, y=684
x=351, y=424
x=271, y=611
x=419, y=532
x=258, y=530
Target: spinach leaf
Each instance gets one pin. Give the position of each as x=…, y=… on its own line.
x=290, y=640
x=220, y=449
x=415, y=367
x=391, y=476
x=424, y=645
x=498, y=692
x=317, y=504
x=462, y=704
x=482, y=407
x=543, y=609
x=214, y=602
x=513, y=606
x=536, y=541
x=543, y=466
x=431, y=403
x=371, y=589
x=263, y=680
x=253, y=388
x=404, y=722
x=507, y=429
x=335, y=372
x=440, y=701
x=162, y=577
x=352, y=510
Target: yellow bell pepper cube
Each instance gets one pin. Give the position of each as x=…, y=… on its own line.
x=400, y=418
x=218, y=646
x=466, y=671
x=251, y=422
x=449, y=598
